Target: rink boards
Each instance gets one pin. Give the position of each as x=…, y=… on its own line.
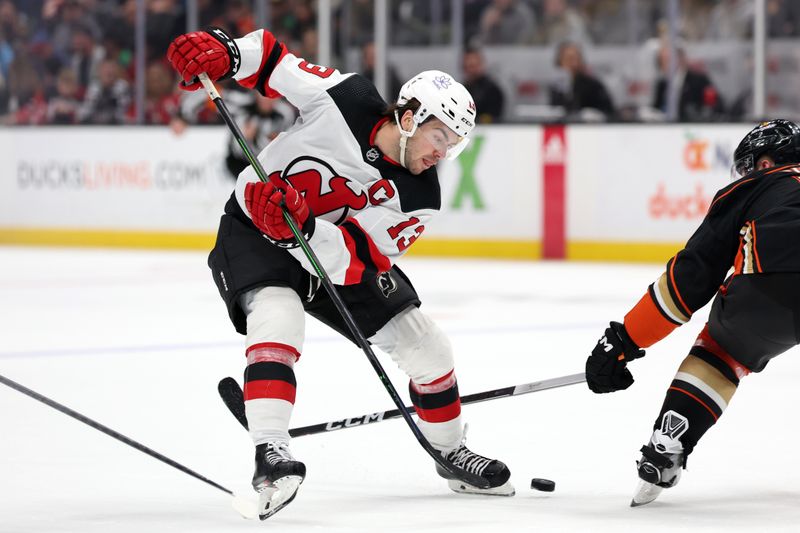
x=585, y=192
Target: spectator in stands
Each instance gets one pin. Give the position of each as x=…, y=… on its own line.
x=368, y=71
x=123, y=20
x=27, y=104
x=62, y=18
x=108, y=98
x=783, y=18
x=578, y=89
x=3, y=95
x=619, y=21
x=731, y=20
x=507, y=22
x=695, y=18
x=413, y=22
x=31, y=8
x=165, y=21
x=163, y=96
x=85, y=55
x=9, y=29
x=560, y=22
x=697, y=98
x=309, y=45
x=487, y=94
x=238, y=17
x=7, y=34
x=63, y=107
x=47, y=62
x=302, y=19
x=262, y=119
x=11, y=25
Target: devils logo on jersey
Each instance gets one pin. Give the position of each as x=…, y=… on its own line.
x=329, y=195
x=386, y=283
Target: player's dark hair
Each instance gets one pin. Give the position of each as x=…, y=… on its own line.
x=563, y=45
x=412, y=105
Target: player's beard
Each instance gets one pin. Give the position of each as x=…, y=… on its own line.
x=411, y=149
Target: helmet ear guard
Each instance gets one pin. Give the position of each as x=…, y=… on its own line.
x=778, y=139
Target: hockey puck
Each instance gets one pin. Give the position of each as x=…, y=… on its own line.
x=542, y=484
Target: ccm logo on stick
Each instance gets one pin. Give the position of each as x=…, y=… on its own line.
x=357, y=421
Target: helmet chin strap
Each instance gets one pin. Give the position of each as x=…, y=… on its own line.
x=404, y=136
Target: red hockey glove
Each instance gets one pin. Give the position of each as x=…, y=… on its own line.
x=213, y=52
x=264, y=202
x=606, y=368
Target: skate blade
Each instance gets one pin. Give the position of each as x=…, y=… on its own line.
x=278, y=495
x=645, y=493
x=506, y=489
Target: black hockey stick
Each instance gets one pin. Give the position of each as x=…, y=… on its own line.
x=241, y=504
x=232, y=396
x=358, y=336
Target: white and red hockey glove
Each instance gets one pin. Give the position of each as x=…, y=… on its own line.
x=212, y=51
x=264, y=202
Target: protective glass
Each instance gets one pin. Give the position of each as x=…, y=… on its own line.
x=443, y=139
x=742, y=167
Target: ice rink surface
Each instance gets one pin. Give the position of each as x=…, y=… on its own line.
x=138, y=341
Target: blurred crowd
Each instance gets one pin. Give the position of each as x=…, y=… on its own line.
x=73, y=61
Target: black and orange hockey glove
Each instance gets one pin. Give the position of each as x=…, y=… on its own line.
x=606, y=368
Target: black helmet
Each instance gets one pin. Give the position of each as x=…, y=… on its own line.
x=778, y=139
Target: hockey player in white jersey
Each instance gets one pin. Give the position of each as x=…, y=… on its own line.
x=359, y=177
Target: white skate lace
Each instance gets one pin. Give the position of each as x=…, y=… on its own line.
x=470, y=461
x=278, y=452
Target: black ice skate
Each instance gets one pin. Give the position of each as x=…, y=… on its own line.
x=662, y=460
x=494, y=471
x=277, y=477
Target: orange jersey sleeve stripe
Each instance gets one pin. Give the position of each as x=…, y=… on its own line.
x=645, y=324
x=675, y=287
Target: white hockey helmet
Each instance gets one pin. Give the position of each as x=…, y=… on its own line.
x=440, y=95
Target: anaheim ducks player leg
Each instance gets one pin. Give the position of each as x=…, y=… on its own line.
x=755, y=318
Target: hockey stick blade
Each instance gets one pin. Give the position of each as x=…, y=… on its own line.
x=232, y=396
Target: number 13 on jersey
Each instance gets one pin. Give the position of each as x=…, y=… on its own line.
x=405, y=242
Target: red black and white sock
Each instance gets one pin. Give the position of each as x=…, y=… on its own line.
x=269, y=391
x=438, y=406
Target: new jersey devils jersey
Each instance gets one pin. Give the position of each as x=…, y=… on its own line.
x=369, y=209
